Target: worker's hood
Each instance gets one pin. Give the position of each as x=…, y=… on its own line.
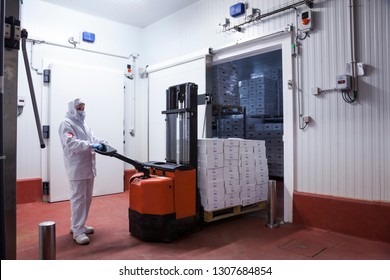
x=73, y=114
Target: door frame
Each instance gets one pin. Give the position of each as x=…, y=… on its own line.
x=279, y=40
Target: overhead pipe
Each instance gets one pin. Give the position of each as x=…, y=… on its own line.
x=73, y=47
x=260, y=16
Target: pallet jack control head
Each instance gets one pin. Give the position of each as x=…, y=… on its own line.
x=110, y=151
x=107, y=150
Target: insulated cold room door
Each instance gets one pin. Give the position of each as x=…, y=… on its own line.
x=159, y=81
x=102, y=91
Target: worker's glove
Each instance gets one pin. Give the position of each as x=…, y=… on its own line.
x=97, y=146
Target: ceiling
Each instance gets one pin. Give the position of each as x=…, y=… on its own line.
x=139, y=13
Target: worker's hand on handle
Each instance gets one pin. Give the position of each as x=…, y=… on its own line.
x=97, y=146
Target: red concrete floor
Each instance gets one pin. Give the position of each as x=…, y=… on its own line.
x=243, y=237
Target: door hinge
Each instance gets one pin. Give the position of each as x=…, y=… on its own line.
x=46, y=131
x=45, y=191
x=290, y=84
x=46, y=76
x=12, y=33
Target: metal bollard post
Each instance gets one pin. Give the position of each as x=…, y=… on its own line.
x=47, y=240
x=272, y=223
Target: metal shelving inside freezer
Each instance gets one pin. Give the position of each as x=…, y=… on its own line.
x=229, y=121
x=262, y=96
x=250, y=108
x=228, y=116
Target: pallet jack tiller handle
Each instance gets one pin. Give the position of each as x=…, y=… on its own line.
x=110, y=151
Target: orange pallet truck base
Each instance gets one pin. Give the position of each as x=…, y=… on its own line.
x=163, y=206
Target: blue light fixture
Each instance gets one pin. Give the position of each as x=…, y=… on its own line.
x=237, y=9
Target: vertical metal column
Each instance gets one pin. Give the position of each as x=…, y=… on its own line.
x=271, y=222
x=47, y=240
x=9, y=119
x=2, y=157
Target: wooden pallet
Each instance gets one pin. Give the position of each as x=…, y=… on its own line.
x=210, y=216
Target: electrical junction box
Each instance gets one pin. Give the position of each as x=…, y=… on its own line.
x=305, y=21
x=344, y=82
x=237, y=9
x=88, y=37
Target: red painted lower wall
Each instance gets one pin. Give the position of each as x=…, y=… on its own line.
x=361, y=218
x=28, y=190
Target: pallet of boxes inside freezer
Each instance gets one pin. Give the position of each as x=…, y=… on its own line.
x=241, y=195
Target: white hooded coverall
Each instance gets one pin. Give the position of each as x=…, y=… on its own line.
x=80, y=164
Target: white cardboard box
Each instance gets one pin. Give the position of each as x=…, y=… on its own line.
x=214, y=187
x=230, y=196
x=231, y=142
x=231, y=162
x=231, y=176
x=246, y=150
x=248, y=194
x=212, y=192
x=263, y=187
x=232, y=186
x=261, y=197
x=250, y=157
x=249, y=168
x=210, y=160
x=261, y=161
x=210, y=142
x=210, y=145
x=248, y=180
x=210, y=174
x=247, y=143
x=248, y=201
x=250, y=188
x=263, y=168
x=260, y=151
x=231, y=154
x=211, y=204
x=232, y=200
x=210, y=149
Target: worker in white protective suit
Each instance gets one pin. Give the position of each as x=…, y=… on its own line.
x=79, y=145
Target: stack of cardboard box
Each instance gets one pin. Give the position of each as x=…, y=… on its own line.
x=231, y=172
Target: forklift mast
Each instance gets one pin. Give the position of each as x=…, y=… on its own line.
x=181, y=124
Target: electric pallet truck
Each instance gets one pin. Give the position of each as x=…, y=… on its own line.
x=163, y=198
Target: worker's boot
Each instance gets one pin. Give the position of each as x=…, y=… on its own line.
x=81, y=239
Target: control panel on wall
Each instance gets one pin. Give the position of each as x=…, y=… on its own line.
x=343, y=82
x=305, y=21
